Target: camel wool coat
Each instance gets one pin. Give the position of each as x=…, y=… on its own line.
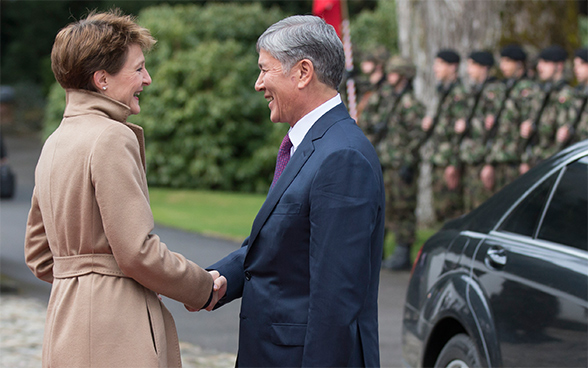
x=89, y=234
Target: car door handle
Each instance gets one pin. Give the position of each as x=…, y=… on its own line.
x=496, y=257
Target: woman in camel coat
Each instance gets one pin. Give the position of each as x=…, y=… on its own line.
x=89, y=227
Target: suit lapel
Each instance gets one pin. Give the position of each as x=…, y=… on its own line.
x=300, y=157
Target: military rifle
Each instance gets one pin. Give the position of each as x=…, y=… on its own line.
x=529, y=142
x=472, y=113
x=492, y=132
x=429, y=132
x=574, y=125
x=382, y=128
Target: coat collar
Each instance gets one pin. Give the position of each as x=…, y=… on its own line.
x=82, y=102
x=302, y=154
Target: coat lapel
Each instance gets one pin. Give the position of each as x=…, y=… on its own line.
x=298, y=160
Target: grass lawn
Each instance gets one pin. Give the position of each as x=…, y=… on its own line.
x=219, y=214
x=224, y=214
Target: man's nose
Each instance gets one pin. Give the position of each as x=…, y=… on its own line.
x=259, y=83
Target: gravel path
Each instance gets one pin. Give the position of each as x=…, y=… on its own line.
x=22, y=320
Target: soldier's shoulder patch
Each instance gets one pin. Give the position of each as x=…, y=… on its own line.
x=562, y=99
x=525, y=92
x=407, y=104
x=491, y=95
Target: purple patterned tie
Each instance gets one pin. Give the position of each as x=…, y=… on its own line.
x=283, y=158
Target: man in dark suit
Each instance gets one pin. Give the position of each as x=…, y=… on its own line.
x=308, y=274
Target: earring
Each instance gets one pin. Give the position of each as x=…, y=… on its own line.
x=104, y=88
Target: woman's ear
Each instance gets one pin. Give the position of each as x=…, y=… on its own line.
x=306, y=70
x=99, y=80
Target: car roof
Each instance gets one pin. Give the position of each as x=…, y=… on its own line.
x=485, y=217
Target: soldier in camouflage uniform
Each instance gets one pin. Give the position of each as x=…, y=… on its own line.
x=553, y=110
x=443, y=146
x=399, y=155
x=368, y=119
x=485, y=97
x=577, y=129
x=503, y=140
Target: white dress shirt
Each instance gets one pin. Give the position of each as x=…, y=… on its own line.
x=302, y=126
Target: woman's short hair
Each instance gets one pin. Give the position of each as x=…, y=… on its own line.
x=98, y=42
x=306, y=37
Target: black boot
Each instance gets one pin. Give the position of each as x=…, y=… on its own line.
x=400, y=260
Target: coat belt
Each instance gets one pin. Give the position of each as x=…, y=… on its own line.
x=73, y=266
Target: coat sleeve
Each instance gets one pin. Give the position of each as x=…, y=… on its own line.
x=38, y=256
x=231, y=267
x=123, y=199
x=346, y=205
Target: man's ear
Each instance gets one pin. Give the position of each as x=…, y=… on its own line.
x=455, y=68
x=306, y=72
x=99, y=80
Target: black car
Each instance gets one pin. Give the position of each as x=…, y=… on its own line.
x=507, y=284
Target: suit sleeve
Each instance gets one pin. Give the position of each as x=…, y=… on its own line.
x=231, y=267
x=346, y=202
x=121, y=193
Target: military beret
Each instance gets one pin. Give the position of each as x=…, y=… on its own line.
x=448, y=56
x=553, y=53
x=514, y=52
x=582, y=54
x=484, y=58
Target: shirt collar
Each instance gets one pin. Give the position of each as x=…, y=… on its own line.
x=298, y=132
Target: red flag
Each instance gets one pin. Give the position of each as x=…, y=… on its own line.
x=330, y=11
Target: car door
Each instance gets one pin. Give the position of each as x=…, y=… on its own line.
x=534, y=270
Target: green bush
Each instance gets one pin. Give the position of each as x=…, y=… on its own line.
x=205, y=126
x=53, y=109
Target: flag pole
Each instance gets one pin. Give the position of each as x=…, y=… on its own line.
x=350, y=82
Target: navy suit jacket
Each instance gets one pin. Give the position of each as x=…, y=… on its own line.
x=308, y=274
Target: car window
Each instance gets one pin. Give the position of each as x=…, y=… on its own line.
x=524, y=219
x=566, y=219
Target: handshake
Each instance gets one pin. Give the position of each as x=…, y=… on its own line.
x=218, y=291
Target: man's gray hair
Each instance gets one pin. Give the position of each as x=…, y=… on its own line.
x=306, y=37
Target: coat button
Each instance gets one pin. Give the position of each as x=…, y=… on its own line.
x=247, y=275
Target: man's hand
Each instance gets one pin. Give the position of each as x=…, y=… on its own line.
x=426, y=123
x=487, y=176
x=451, y=177
x=526, y=128
x=563, y=134
x=489, y=122
x=460, y=126
x=523, y=168
x=218, y=291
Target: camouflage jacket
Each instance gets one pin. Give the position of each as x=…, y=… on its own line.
x=580, y=131
x=444, y=142
x=504, y=145
x=558, y=112
x=369, y=119
x=473, y=149
x=404, y=136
